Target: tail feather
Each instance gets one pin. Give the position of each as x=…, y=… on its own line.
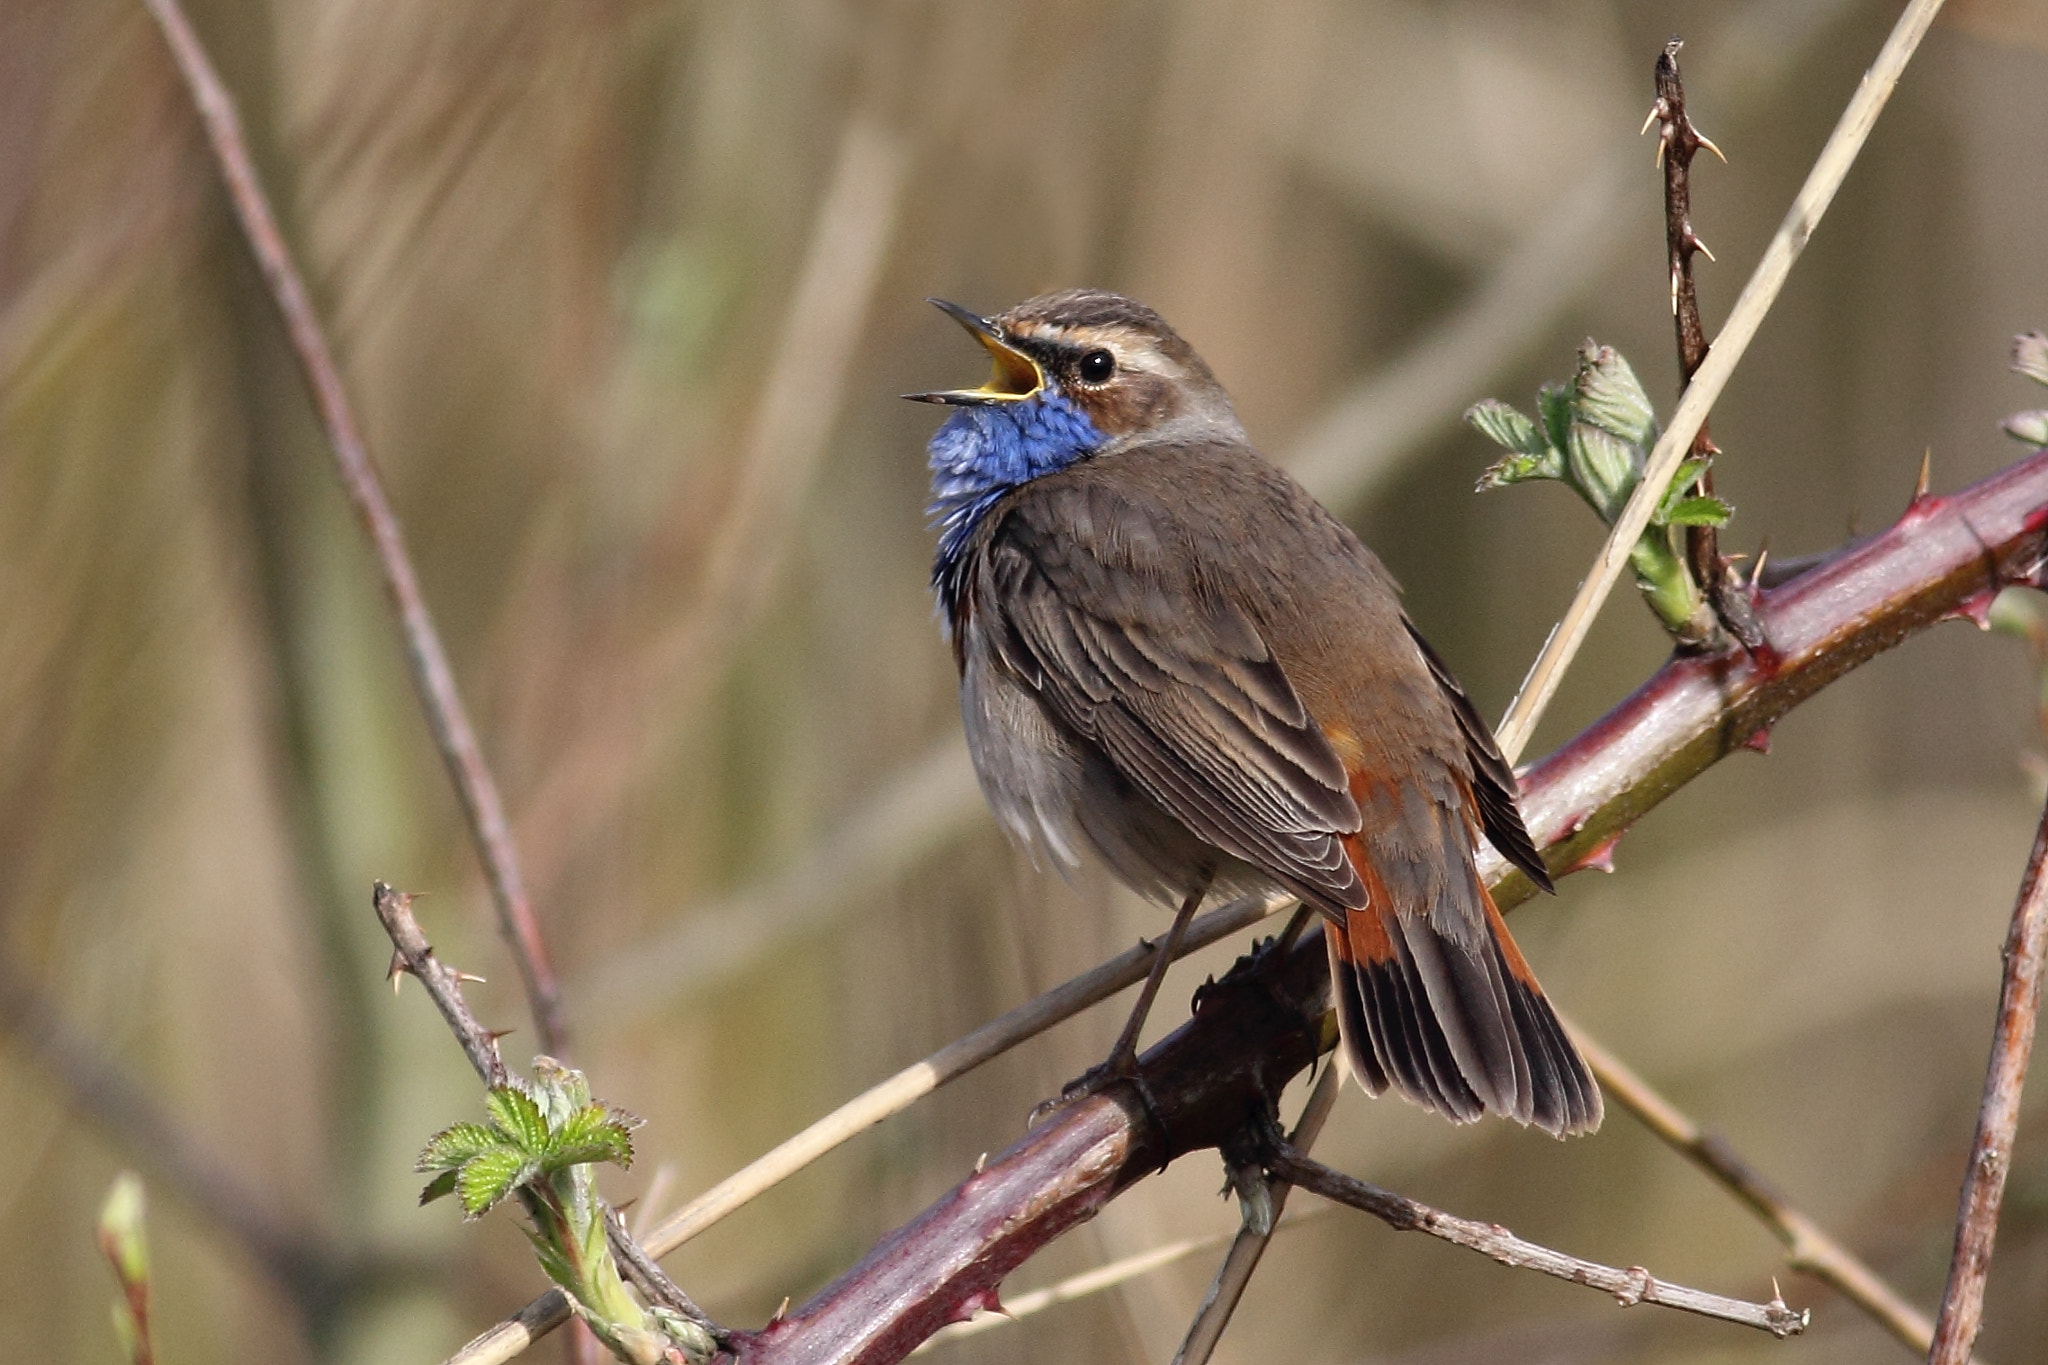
x=1459, y=1030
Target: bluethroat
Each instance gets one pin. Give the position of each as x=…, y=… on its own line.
x=1171, y=655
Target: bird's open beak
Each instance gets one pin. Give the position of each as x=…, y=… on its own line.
x=1016, y=375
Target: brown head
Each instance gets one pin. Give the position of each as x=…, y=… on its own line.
x=1111, y=356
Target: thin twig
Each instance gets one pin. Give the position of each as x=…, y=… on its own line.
x=1631, y=1286
x=1249, y=1245
x=1748, y=314
x=956, y=1059
x=415, y=957
x=432, y=677
x=1998, y=1118
x=1809, y=1248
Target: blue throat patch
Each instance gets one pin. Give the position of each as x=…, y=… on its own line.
x=984, y=451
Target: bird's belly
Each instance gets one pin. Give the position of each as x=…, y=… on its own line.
x=1054, y=791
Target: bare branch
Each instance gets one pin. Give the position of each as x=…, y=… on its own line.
x=433, y=678
x=1998, y=1118
x=1632, y=1286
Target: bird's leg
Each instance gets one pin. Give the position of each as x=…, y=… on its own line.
x=1124, y=1056
x=1122, y=1063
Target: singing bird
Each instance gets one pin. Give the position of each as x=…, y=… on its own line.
x=1173, y=655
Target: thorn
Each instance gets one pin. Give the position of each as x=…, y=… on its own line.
x=1699, y=245
x=1926, y=470
x=462, y=976
x=1600, y=857
x=1976, y=607
x=1759, y=740
x=981, y=1163
x=781, y=1312
x=494, y=1034
x=397, y=972
x=1708, y=143
x=1662, y=143
x=1756, y=575
x=1674, y=291
x=1656, y=108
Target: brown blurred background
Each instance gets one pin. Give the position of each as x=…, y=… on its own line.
x=624, y=292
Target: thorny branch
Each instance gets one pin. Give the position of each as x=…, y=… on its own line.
x=414, y=956
x=1998, y=1118
x=1677, y=142
x=426, y=659
x=1947, y=556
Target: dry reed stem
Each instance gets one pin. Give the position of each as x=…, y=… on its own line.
x=1105, y=1277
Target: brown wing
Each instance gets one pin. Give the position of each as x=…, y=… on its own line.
x=1123, y=642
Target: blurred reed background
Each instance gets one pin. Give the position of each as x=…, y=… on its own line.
x=625, y=293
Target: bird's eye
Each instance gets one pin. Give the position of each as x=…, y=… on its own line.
x=1097, y=366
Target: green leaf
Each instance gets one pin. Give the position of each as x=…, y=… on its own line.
x=489, y=1176
x=1682, y=481
x=2030, y=356
x=1604, y=468
x=593, y=1133
x=439, y=1187
x=455, y=1144
x=1504, y=425
x=1609, y=396
x=2031, y=427
x=1511, y=469
x=559, y=1090
x=1699, y=512
x=518, y=1118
